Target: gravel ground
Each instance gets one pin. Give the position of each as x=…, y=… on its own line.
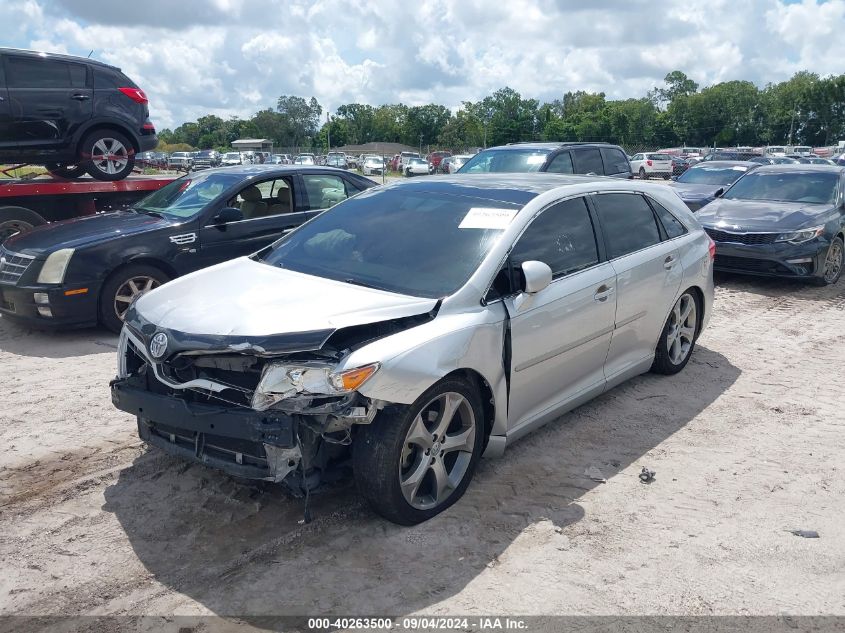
x=746, y=442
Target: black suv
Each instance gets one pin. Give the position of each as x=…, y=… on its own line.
x=600, y=159
x=207, y=158
x=71, y=114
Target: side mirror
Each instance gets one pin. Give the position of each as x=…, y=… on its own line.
x=718, y=193
x=228, y=214
x=537, y=276
x=674, y=177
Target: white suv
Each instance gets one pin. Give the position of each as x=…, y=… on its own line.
x=648, y=165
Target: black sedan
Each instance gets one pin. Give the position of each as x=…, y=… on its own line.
x=782, y=221
x=88, y=270
x=703, y=182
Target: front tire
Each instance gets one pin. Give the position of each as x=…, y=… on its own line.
x=122, y=288
x=107, y=155
x=411, y=463
x=68, y=172
x=677, y=340
x=833, y=263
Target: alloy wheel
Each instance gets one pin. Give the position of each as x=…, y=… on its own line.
x=437, y=451
x=682, y=326
x=109, y=156
x=130, y=290
x=833, y=262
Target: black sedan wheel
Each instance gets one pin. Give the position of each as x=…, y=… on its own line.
x=68, y=172
x=122, y=288
x=413, y=462
x=834, y=261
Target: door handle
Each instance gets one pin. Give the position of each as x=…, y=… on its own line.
x=80, y=97
x=669, y=262
x=603, y=292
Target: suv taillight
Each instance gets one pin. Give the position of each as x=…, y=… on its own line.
x=136, y=94
x=648, y=162
x=712, y=248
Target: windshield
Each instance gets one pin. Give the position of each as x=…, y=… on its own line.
x=799, y=186
x=433, y=247
x=505, y=160
x=231, y=155
x=188, y=195
x=659, y=157
x=708, y=175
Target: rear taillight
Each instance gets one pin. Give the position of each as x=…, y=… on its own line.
x=712, y=248
x=648, y=162
x=136, y=94
x=149, y=126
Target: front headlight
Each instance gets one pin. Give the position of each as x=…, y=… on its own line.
x=799, y=237
x=280, y=381
x=53, y=270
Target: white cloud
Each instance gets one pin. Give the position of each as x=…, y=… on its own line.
x=233, y=57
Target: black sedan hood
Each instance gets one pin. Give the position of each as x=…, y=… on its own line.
x=761, y=215
x=696, y=191
x=85, y=231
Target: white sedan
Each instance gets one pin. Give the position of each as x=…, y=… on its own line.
x=416, y=167
x=373, y=165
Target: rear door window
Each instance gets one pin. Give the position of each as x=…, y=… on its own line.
x=628, y=223
x=37, y=73
x=562, y=236
x=588, y=161
x=561, y=164
x=325, y=190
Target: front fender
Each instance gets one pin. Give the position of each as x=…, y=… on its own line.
x=414, y=360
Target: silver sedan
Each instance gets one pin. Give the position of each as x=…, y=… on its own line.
x=414, y=327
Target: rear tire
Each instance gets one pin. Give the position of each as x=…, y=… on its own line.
x=413, y=462
x=107, y=155
x=677, y=340
x=642, y=174
x=123, y=286
x=68, y=172
x=14, y=220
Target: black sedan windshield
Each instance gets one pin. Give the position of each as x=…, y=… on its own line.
x=187, y=196
x=706, y=175
x=425, y=244
x=798, y=186
x=505, y=160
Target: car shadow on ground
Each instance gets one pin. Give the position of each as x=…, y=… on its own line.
x=242, y=551
x=24, y=341
x=781, y=289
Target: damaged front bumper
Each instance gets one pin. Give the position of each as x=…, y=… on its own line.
x=242, y=442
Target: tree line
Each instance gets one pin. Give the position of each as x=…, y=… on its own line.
x=806, y=109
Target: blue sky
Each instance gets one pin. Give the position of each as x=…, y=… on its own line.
x=233, y=57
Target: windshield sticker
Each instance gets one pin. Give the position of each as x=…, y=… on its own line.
x=487, y=218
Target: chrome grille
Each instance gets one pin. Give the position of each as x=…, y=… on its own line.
x=754, y=239
x=13, y=265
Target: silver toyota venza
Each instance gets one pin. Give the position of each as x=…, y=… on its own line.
x=410, y=329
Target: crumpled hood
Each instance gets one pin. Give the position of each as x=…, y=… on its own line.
x=761, y=215
x=243, y=297
x=84, y=231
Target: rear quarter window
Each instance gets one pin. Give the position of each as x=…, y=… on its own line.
x=614, y=161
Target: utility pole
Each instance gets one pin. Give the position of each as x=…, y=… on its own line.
x=792, y=123
x=329, y=130
x=421, y=138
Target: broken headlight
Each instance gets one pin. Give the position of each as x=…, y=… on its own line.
x=281, y=381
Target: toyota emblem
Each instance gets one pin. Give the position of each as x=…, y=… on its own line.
x=158, y=345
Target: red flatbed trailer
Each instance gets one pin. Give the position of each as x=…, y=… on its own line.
x=25, y=203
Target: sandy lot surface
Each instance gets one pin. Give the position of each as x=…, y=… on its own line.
x=747, y=444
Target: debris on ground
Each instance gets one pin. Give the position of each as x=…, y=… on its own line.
x=805, y=533
x=595, y=474
x=646, y=475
